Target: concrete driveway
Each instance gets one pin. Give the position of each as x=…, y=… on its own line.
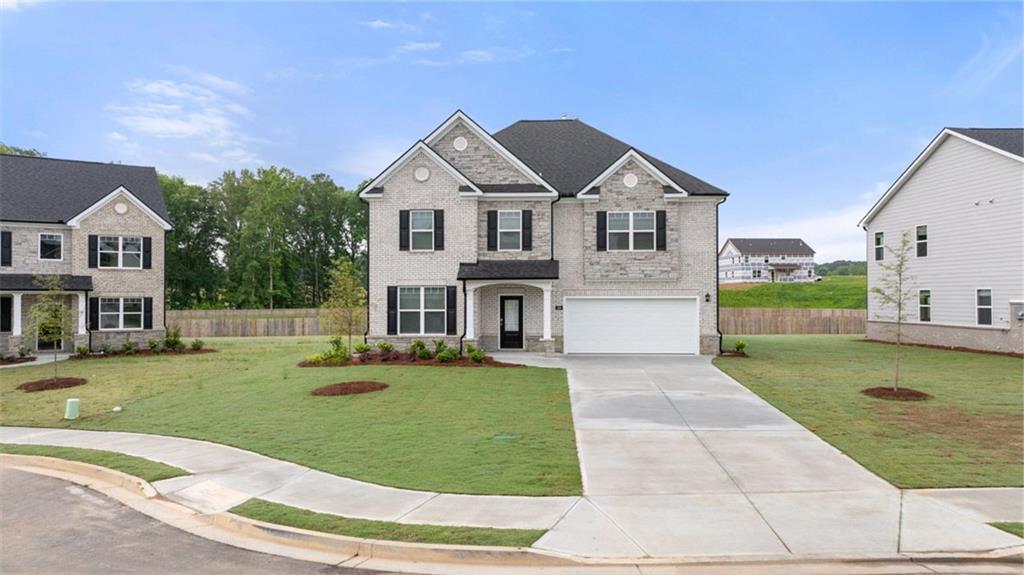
x=680, y=459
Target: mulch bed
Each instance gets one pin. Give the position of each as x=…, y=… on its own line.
x=396, y=358
x=350, y=387
x=14, y=360
x=734, y=354
x=141, y=352
x=948, y=348
x=52, y=383
x=901, y=394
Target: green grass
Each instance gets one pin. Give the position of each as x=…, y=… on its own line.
x=285, y=515
x=143, y=468
x=968, y=435
x=1015, y=528
x=834, y=292
x=434, y=428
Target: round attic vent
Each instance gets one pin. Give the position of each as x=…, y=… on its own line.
x=421, y=174
x=460, y=143
x=630, y=180
x=120, y=208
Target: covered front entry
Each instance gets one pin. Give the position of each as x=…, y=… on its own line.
x=632, y=325
x=510, y=323
x=508, y=304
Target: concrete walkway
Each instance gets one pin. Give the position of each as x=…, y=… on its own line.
x=677, y=460
x=41, y=359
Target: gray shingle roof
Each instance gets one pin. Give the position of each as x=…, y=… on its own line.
x=771, y=246
x=28, y=282
x=54, y=191
x=1007, y=139
x=509, y=270
x=569, y=154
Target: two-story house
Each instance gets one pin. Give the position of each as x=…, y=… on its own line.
x=547, y=235
x=765, y=260
x=960, y=206
x=100, y=229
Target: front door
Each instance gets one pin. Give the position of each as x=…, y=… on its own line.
x=511, y=336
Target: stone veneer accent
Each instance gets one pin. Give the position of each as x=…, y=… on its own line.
x=479, y=161
x=25, y=249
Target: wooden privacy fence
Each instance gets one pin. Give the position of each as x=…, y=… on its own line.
x=757, y=320
x=257, y=322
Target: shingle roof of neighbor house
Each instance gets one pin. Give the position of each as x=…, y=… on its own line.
x=569, y=154
x=772, y=246
x=1006, y=139
x=54, y=191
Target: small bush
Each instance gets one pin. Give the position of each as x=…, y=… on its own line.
x=477, y=356
x=424, y=353
x=129, y=347
x=439, y=346
x=107, y=349
x=470, y=348
x=338, y=343
x=386, y=347
x=23, y=351
x=362, y=347
x=82, y=350
x=338, y=352
x=416, y=346
x=447, y=354
x=172, y=340
x=316, y=358
x=154, y=344
x=197, y=344
x=740, y=345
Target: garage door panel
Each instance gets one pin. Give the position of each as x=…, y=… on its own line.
x=630, y=325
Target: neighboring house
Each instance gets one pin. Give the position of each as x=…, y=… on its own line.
x=765, y=260
x=961, y=204
x=100, y=228
x=547, y=235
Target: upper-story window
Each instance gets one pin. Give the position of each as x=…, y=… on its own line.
x=922, y=241
x=984, y=304
x=51, y=247
x=630, y=231
x=510, y=230
x=879, y=246
x=120, y=252
x=421, y=229
x=765, y=259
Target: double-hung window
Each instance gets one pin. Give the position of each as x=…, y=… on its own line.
x=421, y=229
x=120, y=252
x=630, y=231
x=510, y=230
x=922, y=241
x=51, y=247
x=879, y=246
x=421, y=310
x=118, y=313
x=924, y=305
x=984, y=304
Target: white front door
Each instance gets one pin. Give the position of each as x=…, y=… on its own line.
x=631, y=325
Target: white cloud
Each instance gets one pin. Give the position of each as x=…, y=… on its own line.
x=117, y=136
x=15, y=5
x=996, y=54
x=370, y=159
x=172, y=90
x=497, y=54
x=478, y=56
x=431, y=62
x=833, y=234
x=399, y=25
x=419, y=46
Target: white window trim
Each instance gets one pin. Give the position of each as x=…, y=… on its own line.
x=519, y=230
x=39, y=247
x=919, y=305
x=433, y=230
x=422, y=311
x=990, y=307
x=630, y=231
x=918, y=242
x=120, y=314
x=875, y=246
x=120, y=253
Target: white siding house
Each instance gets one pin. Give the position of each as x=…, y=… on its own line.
x=962, y=205
x=765, y=260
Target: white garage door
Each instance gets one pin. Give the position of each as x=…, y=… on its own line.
x=630, y=325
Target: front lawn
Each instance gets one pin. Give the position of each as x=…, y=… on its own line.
x=968, y=435
x=833, y=292
x=483, y=430
x=145, y=469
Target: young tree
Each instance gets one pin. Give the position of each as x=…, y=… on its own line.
x=345, y=298
x=895, y=289
x=51, y=320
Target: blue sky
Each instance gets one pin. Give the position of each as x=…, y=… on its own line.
x=805, y=112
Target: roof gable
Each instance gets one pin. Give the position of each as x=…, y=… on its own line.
x=119, y=192
x=630, y=155
x=769, y=246
x=375, y=189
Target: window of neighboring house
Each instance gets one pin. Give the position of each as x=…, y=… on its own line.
x=924, y=305
x=810, y=273
x=879, y=246
x=421, y=229
x=120, y=252
x=51, y=246
x=421, y=310
x=510, y=230
x=757, y=273
x=922, y=241
x=783, y=258
x=746, y=259
x=765, y=259
x=984, y=303
x=630, y=231
x=120, y=313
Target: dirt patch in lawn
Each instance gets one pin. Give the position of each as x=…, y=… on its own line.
x=999, y=435
x=734, y=354
x=898, y=394
x=13, y=360
x=51, y=383
x=350, y=387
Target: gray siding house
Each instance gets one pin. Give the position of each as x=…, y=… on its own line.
x=765, y=260
x=100, y=229
x=961, y=204
x=546, y=235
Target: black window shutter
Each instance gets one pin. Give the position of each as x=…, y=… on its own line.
x=403, y=230
x=94, y=251
x=5, y=249
x=438, y=230
x=527, y=230
x=449, y=310
x=492, y=230
x=392, y=310
x=147, y=253
x=659, y=234
x=6, y=304
x=147, y=313
x=602, y=231
x=94, y=313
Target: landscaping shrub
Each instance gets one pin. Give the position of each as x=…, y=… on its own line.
x=128, y=347
x=477, y=355
x=470, y=348
x=740, y=345
x=82, y=350
x=386, y=347
x=416, y=346
x=172, y=340
x=154, y=344
x=107, y=349
x=423, y=352
x=362, y=347
x=439, y=346
x=447, y=354
x=197, y=344
x=23, y=351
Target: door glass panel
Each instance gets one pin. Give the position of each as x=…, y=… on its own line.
x=512, y=315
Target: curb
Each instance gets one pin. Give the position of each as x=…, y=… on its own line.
x=327, y=548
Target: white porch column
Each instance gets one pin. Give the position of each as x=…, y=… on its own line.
x=547, y=313
x=16, y=312
x=81, y=313
x=470, y=312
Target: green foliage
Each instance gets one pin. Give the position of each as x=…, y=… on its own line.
x=386, y=347
x=424, y=353
x=16, y=151
x=740, y=345
x=447, y=354
x=107, y=349
x=416, y=345
x=82, y=350
x=172, y=340
x=439, y=346
x=197, y=344
x=1010, y=527
x=51, y=319
x=154, y=344
x=362, y=347
x=143, y=468
x=477, y=356
x=346, y=299
x=129, y=347
x=470, y=348
x=191, y=262
x=23, y=351
x=835, y=292
x=842, y=268
x=338, y=353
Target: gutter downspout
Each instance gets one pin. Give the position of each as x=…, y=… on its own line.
x=718, y=302
x=366, y=332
